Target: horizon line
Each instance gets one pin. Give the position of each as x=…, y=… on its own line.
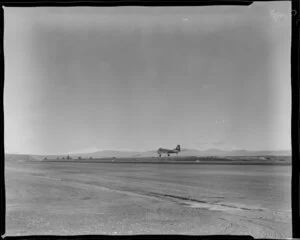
x=141, y=151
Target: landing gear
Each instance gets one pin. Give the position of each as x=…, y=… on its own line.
x=168, y=155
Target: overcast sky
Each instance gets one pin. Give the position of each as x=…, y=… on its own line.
x=138, y=78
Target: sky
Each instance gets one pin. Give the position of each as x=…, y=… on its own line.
x=82, y=79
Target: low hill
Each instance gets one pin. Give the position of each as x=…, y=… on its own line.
x=148, y=154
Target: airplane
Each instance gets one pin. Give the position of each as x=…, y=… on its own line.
x=160, y=151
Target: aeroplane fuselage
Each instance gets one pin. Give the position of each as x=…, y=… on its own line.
x=161, y=151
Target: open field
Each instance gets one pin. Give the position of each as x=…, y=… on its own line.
x=135, y=198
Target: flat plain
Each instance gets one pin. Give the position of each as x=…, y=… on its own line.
x=66, y=198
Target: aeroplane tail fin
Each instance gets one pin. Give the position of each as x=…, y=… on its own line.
x=178, y=148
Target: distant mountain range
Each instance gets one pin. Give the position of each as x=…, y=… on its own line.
x=132, y=154
x=184, y=152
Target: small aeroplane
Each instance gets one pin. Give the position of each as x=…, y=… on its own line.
x=176, y=150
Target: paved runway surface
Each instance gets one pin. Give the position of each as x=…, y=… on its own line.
x=114, y=198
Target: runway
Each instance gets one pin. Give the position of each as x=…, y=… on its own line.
x=66, y=198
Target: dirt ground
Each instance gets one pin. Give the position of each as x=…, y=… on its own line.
x=66, y=198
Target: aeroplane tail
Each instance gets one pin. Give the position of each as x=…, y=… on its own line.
x=178, y=148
